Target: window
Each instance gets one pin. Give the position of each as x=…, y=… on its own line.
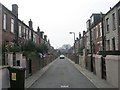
x=97, y=32
x=20, y=32
x=113, y=18
x=100, y=29
x=108, y=44
x=107, y=24
x=34, y=37
x=119, y=17
x=24, y=35
x=29, y=34
x=113, y=43
x=12, y=25
x=88, y=24
x=5, y=22
x=92, y=20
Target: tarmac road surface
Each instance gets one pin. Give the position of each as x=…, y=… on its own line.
x=62, y=74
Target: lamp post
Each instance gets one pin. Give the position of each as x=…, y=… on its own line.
x=74, y=40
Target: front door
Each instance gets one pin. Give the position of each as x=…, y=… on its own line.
x=103, y=64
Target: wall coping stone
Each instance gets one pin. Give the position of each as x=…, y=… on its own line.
x=112, y=57
x=98, y=56
x=2, y=67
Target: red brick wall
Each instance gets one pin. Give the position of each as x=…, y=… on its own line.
x=7, y=35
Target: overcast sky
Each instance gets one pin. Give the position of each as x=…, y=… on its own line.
x=59, y=17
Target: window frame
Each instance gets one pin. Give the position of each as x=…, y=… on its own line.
x=4, y=21
x=107, y=25
x=12, y=25
x=113, y=21
x=118, y=17
x=113, y=43
x=108, y=45
x=20, y=30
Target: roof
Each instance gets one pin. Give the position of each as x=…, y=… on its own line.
x=118, y=4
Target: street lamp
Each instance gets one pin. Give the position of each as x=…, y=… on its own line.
x=74, y=40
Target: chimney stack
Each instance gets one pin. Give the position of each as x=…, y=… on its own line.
x=77, y=38
x=79, y=35
x=110, y=8
x=83, y=33
x=41, y=34
x=38, y=29
x=45, y=37
x=15, y=9
x=48, y=41
x=31, y=24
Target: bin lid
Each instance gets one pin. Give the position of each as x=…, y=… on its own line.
x=17, y=67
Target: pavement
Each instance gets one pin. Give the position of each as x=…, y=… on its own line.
x=99, y=83
x=32, y=79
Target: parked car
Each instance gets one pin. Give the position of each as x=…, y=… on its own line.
x=62, y=57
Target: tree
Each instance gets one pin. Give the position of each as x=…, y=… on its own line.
x=64, y=49
x=10, y=47
x=42, y=49
x=29, y=48
x=66, y=46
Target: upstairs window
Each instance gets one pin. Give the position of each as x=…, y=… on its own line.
x=29, y=34
x=34, y=37
x=107, y=24
x=113, y=19
x=5, y=22
x=20, y=31
x=100, y=25
x=119, y=17
x=24, y=32
x=96, y=32
x=92, y=20
x=12, y=25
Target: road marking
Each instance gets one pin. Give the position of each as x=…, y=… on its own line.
x=64, y=86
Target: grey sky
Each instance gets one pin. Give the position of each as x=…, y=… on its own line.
x=58, y=17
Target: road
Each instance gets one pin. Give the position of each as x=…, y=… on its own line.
x=62, y=74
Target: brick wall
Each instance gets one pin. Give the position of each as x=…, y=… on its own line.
x=35, y=64
x=7, y=35
x=0, y=24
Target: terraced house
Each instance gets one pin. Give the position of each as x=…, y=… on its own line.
x=14, y=31
x=101, y=52
x=112, y=30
